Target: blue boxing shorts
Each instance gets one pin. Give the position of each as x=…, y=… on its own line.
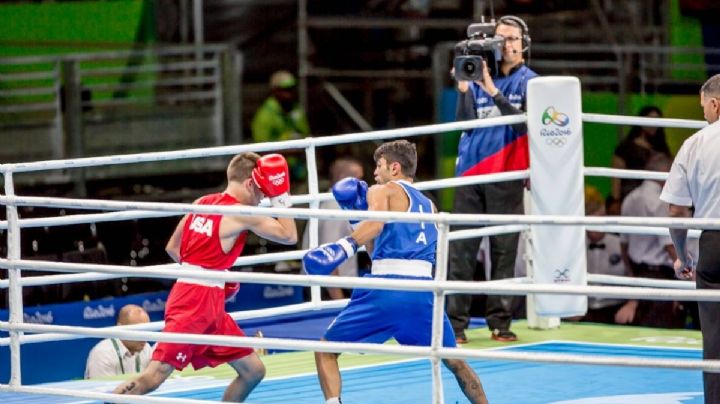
x=375, y=316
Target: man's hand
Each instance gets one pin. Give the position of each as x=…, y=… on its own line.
x=487, y=83
x=272, y=176
x=626, y=314
x=684, y=269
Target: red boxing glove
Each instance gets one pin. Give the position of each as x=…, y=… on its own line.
x=231, y=289
x=272, y=176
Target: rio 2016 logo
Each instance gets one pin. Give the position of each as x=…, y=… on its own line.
x=550, y=115
x=554, y=130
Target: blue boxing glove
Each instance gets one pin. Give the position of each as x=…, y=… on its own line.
x=322, y=260
x=351, y=194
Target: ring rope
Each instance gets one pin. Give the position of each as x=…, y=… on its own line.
x=328, y=346
x=158, y=325
x=297, y=200
x=625, y=173
x=303, y=213
x=105, y=397
x=258, y=147
x=467, y=287
x=330, y=140
x=643, y=121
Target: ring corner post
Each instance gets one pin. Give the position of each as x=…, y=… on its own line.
x=15, y=303
x=554, y=117
x=314, y=191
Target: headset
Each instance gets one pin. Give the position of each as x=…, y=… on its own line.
x=523, y=27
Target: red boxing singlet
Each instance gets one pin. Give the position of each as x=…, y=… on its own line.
x=201, y=239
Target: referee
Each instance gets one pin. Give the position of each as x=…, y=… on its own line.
x=694, y=181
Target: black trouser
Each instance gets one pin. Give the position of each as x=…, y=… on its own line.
x=497, y=198
x=657, y=313
x=708, y=277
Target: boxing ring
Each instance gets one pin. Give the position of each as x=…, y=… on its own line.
x=635, y=288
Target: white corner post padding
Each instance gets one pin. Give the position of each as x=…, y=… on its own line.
x=554, y=119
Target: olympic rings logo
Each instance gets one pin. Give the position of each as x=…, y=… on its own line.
x=556, y=141
x=550, y=115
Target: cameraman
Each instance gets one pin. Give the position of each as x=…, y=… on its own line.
x=489, y=150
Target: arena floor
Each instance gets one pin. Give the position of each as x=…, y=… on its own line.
x=387, y=379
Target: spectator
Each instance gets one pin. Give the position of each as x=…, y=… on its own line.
x=636, y=149
x=604, y=257
x=113, y=356
x=652, y=256
x=694, y=182
x=280, y=118
x=486, y=150
x=331, y=230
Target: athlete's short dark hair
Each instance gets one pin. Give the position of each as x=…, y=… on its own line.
x=399, y=151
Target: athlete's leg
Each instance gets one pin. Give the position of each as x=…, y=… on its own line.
x=251, y=371
x=468, y=381
x=153, y=376
x=328, y=372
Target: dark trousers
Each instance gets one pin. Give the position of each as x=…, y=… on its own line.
x=708, y=277
x=658, y=313
x=497, y=198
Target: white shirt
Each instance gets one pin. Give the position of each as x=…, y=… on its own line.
x=645, y=201
x=104, y=359
x=606, y=261
x=695, y=174
x=329, y=231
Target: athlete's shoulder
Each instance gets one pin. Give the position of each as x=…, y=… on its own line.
x=379, y=190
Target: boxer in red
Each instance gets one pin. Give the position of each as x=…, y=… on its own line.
x=213, y=242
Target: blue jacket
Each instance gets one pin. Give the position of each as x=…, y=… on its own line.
x=497, y=148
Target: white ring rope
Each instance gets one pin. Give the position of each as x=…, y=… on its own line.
x=624, y=173
x=330, y=140
x=301, y=213
x=467, y=287
x=644, y=121
x=646, y=282
x=158, y=325
x=327, y=346
x=296, y=200
x=245, y=261
x=104, y=397
x=259, y=147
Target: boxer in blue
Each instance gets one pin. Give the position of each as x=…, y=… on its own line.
x=400, y=251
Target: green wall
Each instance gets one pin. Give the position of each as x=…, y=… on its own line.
x=685, y=32
x=74, y=26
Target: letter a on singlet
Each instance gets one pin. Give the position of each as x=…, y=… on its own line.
x=421, y=239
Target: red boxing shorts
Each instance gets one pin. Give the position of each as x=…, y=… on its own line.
x=198, y=309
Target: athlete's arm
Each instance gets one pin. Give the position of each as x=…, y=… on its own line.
x=282, y=230
x=378, y=198
x=173, y=245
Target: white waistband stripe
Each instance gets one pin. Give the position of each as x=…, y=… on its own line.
x=402, y=267
x=213, y=283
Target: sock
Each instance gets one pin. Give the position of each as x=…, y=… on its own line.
x=333, y=400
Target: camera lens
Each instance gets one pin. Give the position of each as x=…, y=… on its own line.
x=469, y=68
